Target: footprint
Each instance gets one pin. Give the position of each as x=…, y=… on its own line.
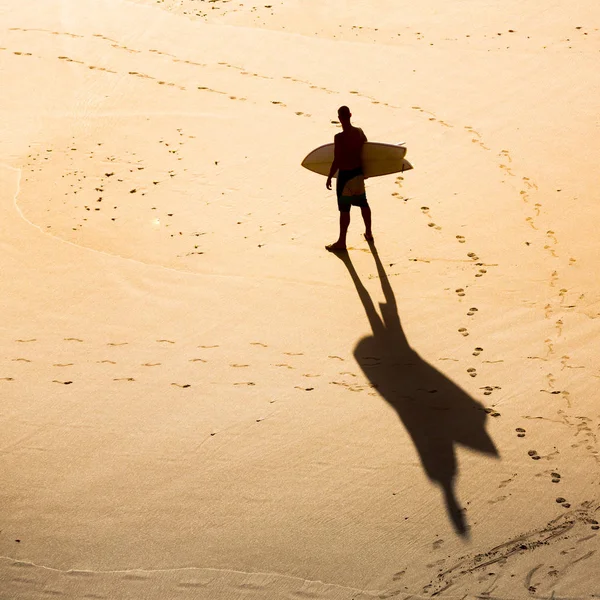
x=463, y=331
x=460, y=292
x=461, y=239
x=555, y=477
x=472, y=372
x=488, y=389
x=492, y=412
x=505, y=482
x=535, y=456
x=498, y=499
x=472, y=311
x=520, y=432
x=530, y=221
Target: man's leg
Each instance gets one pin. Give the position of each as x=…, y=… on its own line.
x=344, y=223
x=366, y=215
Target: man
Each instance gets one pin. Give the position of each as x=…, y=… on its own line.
x=350, y=187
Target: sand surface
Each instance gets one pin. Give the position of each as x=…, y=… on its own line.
x=199, y=401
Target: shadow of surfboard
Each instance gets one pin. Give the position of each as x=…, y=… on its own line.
x=436, y=413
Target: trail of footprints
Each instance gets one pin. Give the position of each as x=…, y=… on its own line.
x=241, y=70
x=505, y=164
x=347, y=377
x=550, y=242
x=204, y=88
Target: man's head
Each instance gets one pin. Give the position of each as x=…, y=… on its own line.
x=344, y=114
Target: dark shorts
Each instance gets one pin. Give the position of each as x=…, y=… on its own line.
x=352, y=194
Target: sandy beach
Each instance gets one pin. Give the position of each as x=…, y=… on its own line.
x=200, y=401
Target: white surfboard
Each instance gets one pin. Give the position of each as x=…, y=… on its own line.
x=378, y=159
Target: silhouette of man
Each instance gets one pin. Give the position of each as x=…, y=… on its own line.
x=350, y=186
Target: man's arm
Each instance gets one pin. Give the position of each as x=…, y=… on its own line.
x=334, y=164
x=364, y=141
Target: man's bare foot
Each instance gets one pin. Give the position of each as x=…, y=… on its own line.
x=369, y=237
x=336, y=247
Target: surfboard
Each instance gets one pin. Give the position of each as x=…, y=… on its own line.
x=378, y=159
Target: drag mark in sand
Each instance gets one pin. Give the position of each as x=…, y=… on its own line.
x=571, y=524
x=178, y=580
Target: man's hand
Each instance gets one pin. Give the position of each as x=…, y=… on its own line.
x=328, y=184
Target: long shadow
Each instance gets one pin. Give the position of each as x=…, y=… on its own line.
x=436, y=412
